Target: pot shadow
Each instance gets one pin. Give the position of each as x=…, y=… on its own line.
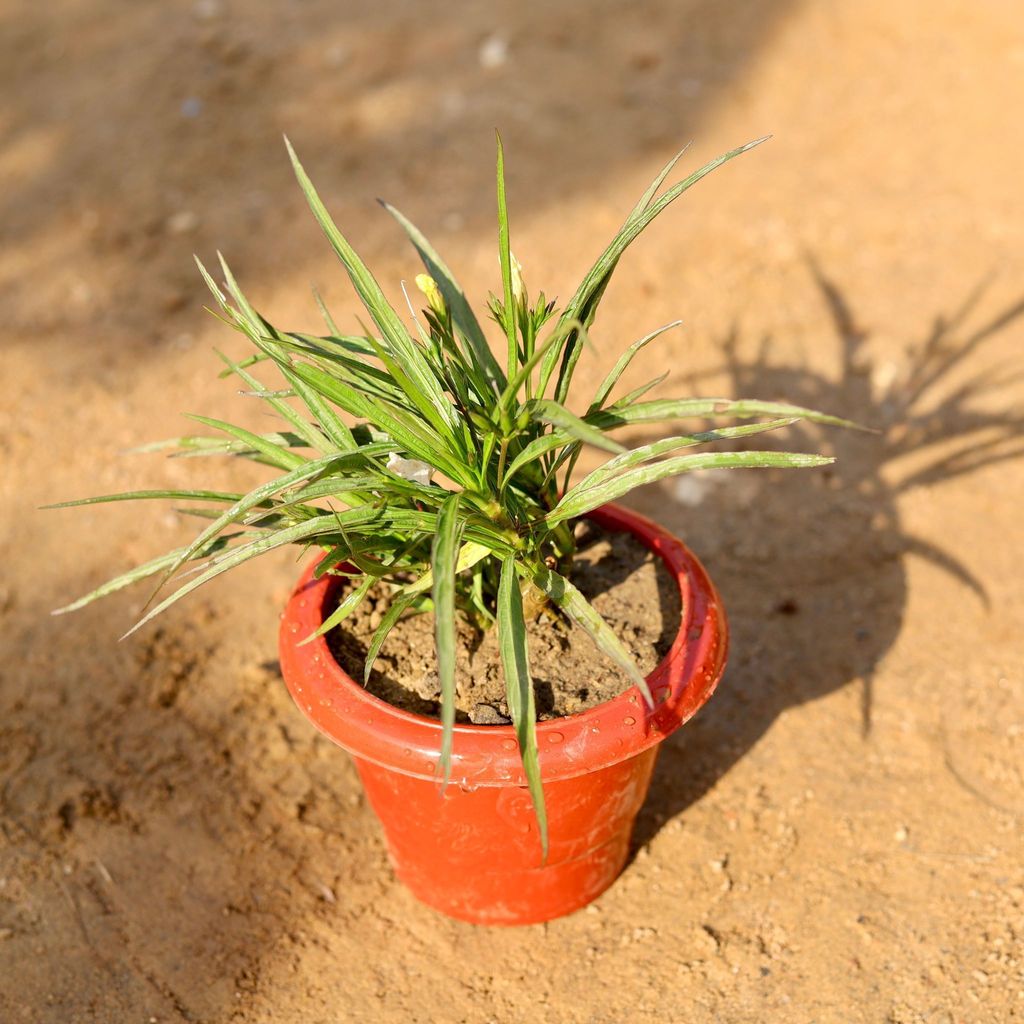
x=810, y=565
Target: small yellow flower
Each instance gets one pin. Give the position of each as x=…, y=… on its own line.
x=428, y=286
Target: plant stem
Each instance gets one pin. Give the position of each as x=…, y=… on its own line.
x=501, y=461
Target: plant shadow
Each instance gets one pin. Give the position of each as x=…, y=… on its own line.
x=814, y=580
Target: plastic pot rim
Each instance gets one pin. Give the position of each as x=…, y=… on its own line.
x=487, y=755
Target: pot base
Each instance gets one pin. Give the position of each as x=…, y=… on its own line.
x=449, y=853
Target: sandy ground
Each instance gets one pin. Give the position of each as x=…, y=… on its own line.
x=837, y=837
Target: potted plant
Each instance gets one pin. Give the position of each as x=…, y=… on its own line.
x=428, y=471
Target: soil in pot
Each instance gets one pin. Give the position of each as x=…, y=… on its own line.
x=624, y=580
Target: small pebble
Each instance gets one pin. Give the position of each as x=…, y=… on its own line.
x=487, y=714
x=493, y=52
x=690, y=490
x=182, y=222
x=336, y=56
x=207, y=10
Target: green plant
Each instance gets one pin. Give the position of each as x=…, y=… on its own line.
x=494, y=540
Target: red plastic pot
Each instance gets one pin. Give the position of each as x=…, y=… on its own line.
x=474, y=851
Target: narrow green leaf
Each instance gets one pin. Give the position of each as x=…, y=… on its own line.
x=578, y=608
x=652, y=191
x=143, y=495
x=219, y=296
x=198, y=445
x=577, y=502
x=414, y=436
x=623, y=362
x=443, y=561
x=415, y=396
x=399, y=604
x=546, y=351
x=519, y=687
x=634, y=396
x=325, y=312
x=351, y=601
x=469, y=555
x=505, y=258
x=307, y=431
x=281, y=457
x=638, y=456
x=535, y=450
x=254, y=499
x=322, y=525
x=683, y=408
x=391, y=327
x=328, y=419
x=348, y=343
x=463, y=317
x=141, y=572
x=583, y=305
x=597, y=276
x=547, y=411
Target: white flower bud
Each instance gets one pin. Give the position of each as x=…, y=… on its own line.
x=518, y=285
x=410, y=469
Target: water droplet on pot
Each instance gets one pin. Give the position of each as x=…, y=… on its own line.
x=595, y=728
x=525, y=828
x=325, y=702
x=302, y=602
x=293, y=627
x=629, y=720
x=429, y=765
x=555, y=737
x=509, y=744
x=309, y=707
x=407, y=752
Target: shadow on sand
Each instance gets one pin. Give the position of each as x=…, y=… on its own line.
x=815, y=581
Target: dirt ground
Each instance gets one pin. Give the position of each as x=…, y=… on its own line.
x=837, y=836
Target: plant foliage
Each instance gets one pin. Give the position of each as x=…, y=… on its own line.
x=415, y=458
